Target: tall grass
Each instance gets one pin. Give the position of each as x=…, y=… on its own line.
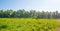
x=27, y=24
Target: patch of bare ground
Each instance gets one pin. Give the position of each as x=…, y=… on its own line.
x=58, y=29
x=58, y=21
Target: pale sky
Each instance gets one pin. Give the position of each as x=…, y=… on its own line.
x=39, y=5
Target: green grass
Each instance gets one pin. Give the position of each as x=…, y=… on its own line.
x=27, y=24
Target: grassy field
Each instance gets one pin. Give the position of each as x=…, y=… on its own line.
x=27, y=24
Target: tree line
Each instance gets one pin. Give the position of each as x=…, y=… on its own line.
x=28, y=14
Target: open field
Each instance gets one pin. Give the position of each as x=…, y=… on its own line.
x=27, y=24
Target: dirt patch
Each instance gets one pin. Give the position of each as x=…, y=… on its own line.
x=58, y=29
x=58, y=21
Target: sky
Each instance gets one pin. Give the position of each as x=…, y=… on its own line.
x=38, y=5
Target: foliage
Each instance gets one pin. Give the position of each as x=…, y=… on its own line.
x=28, y=14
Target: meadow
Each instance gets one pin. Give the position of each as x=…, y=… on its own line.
x=27, y=24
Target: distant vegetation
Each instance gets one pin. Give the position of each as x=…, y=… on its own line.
x=27, y=24
x=28, y=14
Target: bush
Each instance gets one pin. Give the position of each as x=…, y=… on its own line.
x=3, y=26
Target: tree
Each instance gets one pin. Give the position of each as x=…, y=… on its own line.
x=56, y=14
x=1, y=13
x=39, y=15
x=8, y=13
x=33, y=14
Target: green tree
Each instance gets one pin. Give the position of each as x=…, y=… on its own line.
x=1, y=13
x=8, y=13
x=33, y=14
